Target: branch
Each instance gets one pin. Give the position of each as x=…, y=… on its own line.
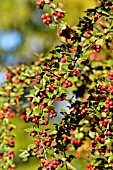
x=68, y=164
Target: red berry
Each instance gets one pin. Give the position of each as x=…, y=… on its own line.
x=33, y=133
x=108, y=132
x=64, y=60
x=37, y=142
x=34, y=120
x=97, y=50
x=8, y=75
x=108, y=148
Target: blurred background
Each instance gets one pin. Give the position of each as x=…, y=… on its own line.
x=22, y=33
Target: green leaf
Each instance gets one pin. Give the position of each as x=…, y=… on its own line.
x=104, y=114
x=110, y=159
x=65, y=76
x=46, y=100
x=71, y=148
x=62, y=26
x=37, y=88
x=28, y=112
x=62, y=90
x=24, y=154
x=47, y=78
x=50, y=103
x=98, y=114
x=36, y=111
x=95, y=31
x=54, y=132
x=64, y=66
x=92, y=134
x=55, y=92
x=63, y=110
x=97, y=154
x=32, y=129
x=31, y=146
x=104, y=12
x=50, y=95
x=79, y=135
x=52, y=25
x=93, y=39
x=84, y=57
x=39, y=70
x=43, y=82
x=32, y=91
x=36, y=92
x=49, y=151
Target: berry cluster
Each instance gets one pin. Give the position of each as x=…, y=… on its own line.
x=38, y=62
x=75, y=142
x=11, y=141
x=8, y=75
x=89, y=35
x=43, y=133
x=46, y=18
x=12, y=168
x=23, y=115
x=110, y=75
x=103, y=121
x=102, y=88
x=50, y=165
x=41, y=105
x=109, y=103
x=88, y=118
x=46, y=120
x=97, y=48
x=64, y=137
x=111, y=89
x=35, y=120
x=40, y=4
x=50, y=87
x=38, y=75
x=104, y=148
x=87, y=28
x=10, y=113
x=46, y=68
x=76, y=71
x=35, y=82
x=96, y=17
x=54, y=78
x=10, y=154
x=64, y=60
x=101, y=139
x=58, y=15
x=67, y=83
x=33, y=134
x=62, y=97
x=52, y=113
x=90, y=167
x=46, y=141
x=65, y=33
x=82, y=111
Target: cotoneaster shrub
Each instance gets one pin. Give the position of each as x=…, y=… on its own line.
x=83, y=62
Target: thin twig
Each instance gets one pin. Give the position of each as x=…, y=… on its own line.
x=65, y=162
x=44, y=151
x=70, y=166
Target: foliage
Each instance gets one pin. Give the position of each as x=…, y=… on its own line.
x=22, y=18
x=82, y=61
